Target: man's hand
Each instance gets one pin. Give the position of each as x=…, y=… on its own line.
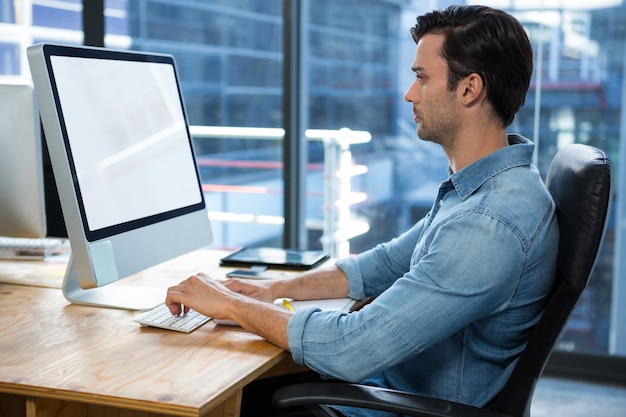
x=214, y=299
x=201, y=293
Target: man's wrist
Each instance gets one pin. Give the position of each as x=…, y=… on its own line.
x=280, y=288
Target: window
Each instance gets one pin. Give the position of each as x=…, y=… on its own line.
x=576, y=97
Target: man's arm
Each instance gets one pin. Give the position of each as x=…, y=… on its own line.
x=321, y=283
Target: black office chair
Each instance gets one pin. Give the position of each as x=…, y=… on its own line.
x=579, y=178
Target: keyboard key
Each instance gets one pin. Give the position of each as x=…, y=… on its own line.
x=162, y=318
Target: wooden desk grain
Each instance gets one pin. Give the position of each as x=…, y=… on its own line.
x=59, y=359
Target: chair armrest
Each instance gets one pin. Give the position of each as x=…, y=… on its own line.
x=362, y=396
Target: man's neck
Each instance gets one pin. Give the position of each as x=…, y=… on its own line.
x=472, y=146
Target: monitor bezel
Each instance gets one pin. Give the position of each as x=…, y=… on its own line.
x=108, y=54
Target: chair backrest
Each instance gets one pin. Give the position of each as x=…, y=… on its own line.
x=580, y=181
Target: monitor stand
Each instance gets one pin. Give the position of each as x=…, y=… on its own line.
x=111, y=296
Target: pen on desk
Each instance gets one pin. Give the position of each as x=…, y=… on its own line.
x=288, y=305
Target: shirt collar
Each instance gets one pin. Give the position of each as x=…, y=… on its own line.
x=469, y=179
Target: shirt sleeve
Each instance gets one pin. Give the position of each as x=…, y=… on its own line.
x=372, y=272
x=467, y=270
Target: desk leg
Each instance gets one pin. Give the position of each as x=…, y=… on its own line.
x=231, y=407
x=31, y=407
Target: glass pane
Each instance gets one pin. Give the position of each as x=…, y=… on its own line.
x=61, y=15
x=25, y=22
x=10, y=64
x=576, y=97
x=354, y=61
x=229, y=56
x=7, y=12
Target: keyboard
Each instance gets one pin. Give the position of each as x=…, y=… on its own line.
x=30, y=248
x=162, y=318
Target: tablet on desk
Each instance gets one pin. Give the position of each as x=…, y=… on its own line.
x=275, y=258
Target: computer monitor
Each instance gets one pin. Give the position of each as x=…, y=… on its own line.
x=22, y=204
x=124, y=165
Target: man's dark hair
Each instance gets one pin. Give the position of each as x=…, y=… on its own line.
x=486, y=41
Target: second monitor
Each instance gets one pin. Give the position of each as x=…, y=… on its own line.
x=123, y=159
x=22, y=208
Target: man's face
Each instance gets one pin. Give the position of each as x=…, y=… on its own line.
x=435, y=108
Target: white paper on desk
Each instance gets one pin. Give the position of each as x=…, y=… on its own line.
x=331, y=304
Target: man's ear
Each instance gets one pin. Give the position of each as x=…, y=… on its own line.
x=471, y=89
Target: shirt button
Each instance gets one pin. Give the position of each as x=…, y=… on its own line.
x=440, y=202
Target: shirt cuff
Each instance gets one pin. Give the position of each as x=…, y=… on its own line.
x=295, y=332
x=350, y=267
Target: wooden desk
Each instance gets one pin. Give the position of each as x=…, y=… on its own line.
x=58, y=359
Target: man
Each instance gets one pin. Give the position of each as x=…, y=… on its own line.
x=457, y=295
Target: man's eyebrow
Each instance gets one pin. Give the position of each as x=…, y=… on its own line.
x=417, y=69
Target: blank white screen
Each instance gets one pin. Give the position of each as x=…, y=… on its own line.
x=128, y=137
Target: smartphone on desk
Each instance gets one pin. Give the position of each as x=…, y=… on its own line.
x=255, y=274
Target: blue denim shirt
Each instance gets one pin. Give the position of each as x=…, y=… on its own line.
x=456, y=296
